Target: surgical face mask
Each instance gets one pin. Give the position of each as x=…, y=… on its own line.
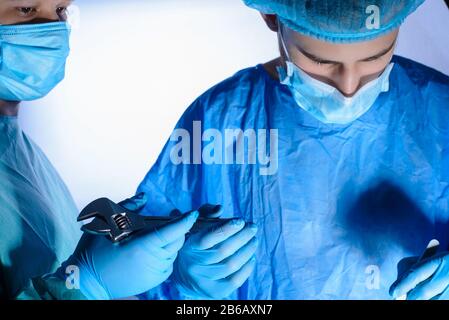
x=32, y=59
x=326, y=103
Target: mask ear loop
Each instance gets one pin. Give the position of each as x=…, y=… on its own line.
x=281, y=38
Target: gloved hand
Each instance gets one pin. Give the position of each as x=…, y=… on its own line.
x=109, y=271
x=425, y=279
x=215, y=262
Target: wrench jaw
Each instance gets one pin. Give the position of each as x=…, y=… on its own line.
x=110, y=219
x=97, y=227
x=102, y=210
x=97, y=208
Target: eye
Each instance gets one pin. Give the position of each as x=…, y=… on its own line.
x=62, y=13
x=26, y=11
x=374, y=59
x=323, y=63
x=61, y=10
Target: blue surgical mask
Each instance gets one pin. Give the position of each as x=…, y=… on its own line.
x=325, y=102
x=32, y=59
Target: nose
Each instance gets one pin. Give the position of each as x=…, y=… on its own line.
x=48, y=12
x=347, y=81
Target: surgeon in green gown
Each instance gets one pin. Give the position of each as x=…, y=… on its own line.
x=39, y=237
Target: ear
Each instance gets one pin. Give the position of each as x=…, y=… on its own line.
x=272, y=21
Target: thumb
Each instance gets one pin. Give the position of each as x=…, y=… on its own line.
x=136, y=203
x=171, y=231
x=210, y=211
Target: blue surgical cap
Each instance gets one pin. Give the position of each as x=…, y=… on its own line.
x=339, y=21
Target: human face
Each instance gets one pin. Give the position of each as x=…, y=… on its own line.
x=21, y=12
x=33, y=11
x=346, y=67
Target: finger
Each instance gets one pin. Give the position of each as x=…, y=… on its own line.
x=419, y=273
x=148, y=276
x=175, y=213
x=432, y=249
x=173, y=230
x=236, y=280
x=216, y=234
x=443, y=296
x=151, y=247
x=405, y=265
x=165, y=252
x=210, y=211
x=428, y=289
x=136, y=203
x=167, y=272
x=154, y=261
x=230, y=246
x=432, y=287
x=233, y=263
x=175, y=246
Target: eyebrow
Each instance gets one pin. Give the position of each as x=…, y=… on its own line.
x=325, y=61
x=16, y=1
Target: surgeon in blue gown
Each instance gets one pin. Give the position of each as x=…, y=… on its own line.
x=362, y=147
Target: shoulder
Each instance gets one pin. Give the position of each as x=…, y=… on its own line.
x=427, y=90
x=426, y=79
x=237, y=87
x=234, y=94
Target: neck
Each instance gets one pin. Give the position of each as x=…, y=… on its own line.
x=270, y=67
x=9, y=108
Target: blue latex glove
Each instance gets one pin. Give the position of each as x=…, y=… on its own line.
x=136, y=203
x=426, y=279
x=215, y=262
x=109, y=271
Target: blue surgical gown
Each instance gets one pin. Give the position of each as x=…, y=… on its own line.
x=38, y=229
x=346, y=203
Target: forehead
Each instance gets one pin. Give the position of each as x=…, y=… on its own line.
x=30, y=3
x=19, y=2
x=340, y=51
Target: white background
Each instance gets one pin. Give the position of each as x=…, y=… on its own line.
x=136, y=65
